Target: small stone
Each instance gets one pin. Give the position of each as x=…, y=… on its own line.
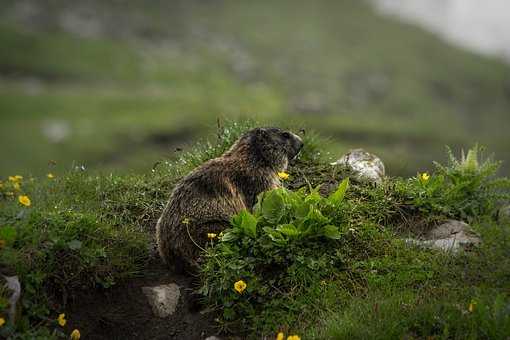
x=364, y=165
x=449, y=236
x=163, y=299
x=13, y=285
x=212, y=338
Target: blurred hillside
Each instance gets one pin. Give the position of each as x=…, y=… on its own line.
x=119, y=85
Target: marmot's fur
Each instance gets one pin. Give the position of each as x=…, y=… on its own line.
x=205, y=200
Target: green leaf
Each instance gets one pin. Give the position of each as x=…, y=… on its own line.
x=228, y=236
x=246, y=222
x=273, y=206
x=8, y=234
x=338, y=196
x=332, y=232
x=288, y=230
x=274, y=235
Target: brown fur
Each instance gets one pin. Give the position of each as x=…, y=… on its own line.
x=218, y=189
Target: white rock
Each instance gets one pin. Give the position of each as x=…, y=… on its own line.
x=449, y=236
x=364, y=165
x=12, y=283
x=163, y=299
x=56, y=130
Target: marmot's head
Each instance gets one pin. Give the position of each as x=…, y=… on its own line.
x=268, y=147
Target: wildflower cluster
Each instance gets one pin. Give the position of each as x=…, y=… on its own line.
x=61, y=320
x=14, y=187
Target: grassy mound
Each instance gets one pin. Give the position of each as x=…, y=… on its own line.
x=329, y=264
x=322, y=261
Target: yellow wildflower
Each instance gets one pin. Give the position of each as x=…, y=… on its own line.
x=471, y=307
x=2, y=322
x=240, y=286
x=283, y=175
x=50, y=176
x=424, y=177
x=16, y=178
x=280, y=336
x=75, y=335
x=211, y=236
x=62, y=320
x=185, y=221
x=16, y=186
x=24, y=200
x=293, y=337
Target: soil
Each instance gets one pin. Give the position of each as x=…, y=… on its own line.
x=122, y=312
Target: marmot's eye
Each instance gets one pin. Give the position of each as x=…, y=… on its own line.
x=286, y=135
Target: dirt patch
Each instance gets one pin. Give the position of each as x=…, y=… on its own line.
x=123, y=312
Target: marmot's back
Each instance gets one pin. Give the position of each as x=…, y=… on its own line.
x=205, y=200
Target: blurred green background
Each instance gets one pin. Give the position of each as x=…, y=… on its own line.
x=119, y=85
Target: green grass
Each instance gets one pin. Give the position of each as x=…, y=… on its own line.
x=336, y=67
x=92, y=231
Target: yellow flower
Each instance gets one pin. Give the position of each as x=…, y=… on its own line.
x=16, y=186
x=240, y=286
x=62, y=320
x=211, y=236
x=50, y=176
x=16, y=178
x=424, y=177
x=283, y=175
x=471, y=307
x=75, y=335
x=185, y=221
x=293, y=337
x=2, y=322
x=280, y=336
x=24, y=200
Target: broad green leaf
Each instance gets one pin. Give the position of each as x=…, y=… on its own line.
x=228, y=236
x=330, y=231
x=338, y=196
x=288, y=230
x=274, y=235
x=315, y=216
x=273, y=206
x=246, y=222
x=313, y=198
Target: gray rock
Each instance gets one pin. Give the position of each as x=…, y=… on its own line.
x=449, y=236
x=364, y=165
x=13, y=285
x=163, y=299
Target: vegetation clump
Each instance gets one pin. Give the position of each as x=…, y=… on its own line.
x=303, y=254
x=316, y=258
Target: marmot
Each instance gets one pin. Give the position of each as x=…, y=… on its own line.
x=206, y=199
